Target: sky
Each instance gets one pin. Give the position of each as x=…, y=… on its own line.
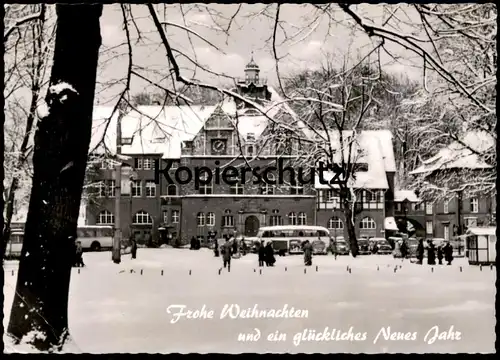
x=303, y=40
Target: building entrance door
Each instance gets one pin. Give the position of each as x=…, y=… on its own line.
x=251, y=226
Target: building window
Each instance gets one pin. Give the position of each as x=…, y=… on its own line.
x=446, y=232
x=138, y=163
x=136, y=188
x=147, y=164
x=165, y=216
x=200, y=219
x=101, y=189
x=335, y=223
x=250, y=150
x=111, y=188
x=428, y=209
x=236, y=189
x=205, y=189
x=142, y=218
x=470, y=222
x=417, y=207
x=367, y=224
x=211, y=219
x=172, y=190
x=175, y=216
x=276, y=220
x=428, y=228
x=333, y=196
x=296, y=190
x=228, y=219
x=446, y=207
x=292, y=219
x=302, y=218
x=106, y=218
x=268, y=188
x=150, y=189
x=397, y=206
x=474, y=205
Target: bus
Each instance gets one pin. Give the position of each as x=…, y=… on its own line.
x=289, y=238
x=92, y=237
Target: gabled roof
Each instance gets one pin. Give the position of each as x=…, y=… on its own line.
x=372, y=147
x=162, y=130
x=402, y=195
x=458, y=156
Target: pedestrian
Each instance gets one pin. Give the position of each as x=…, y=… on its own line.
x=262, y=253
x=375, y=248
x=79, y=254
x=448, y=253
x=404, y=250
x=269, y=254
x=333, y=248
x=307, y=253
x=226, y=255
x=420, y=252
x=235, y=245
x=440, y=254
x=133, y=248
x=244, y=247
x=193, y=243
x=216, y=248
x=431, y=254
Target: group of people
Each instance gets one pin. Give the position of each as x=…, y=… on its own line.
x=443, y=251
x=266, y=254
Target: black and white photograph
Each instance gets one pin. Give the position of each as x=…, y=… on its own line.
x=249, y=178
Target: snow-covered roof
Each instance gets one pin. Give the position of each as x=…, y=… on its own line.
x=402, y=195
x=162, y=130
x=489, y=230
x=459, y=156
x=373, y=148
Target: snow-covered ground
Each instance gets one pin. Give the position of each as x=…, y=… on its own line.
x=112, y=310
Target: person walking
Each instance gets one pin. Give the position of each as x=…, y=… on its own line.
x=440, y=254
x=431, y=253
x=420, y=252
x=269, y=254
x=404, y=250
x=262, y=253
x=79, y=254
x=226, y=255
x=448, y=253
x=216, y=248
x=307, y=253
x=244, y=247
x=133, y=249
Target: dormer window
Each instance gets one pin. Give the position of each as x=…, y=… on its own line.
x=250, y=150
x=127, y=141
x=250, y=137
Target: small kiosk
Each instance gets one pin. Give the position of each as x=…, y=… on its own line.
x=481, y=245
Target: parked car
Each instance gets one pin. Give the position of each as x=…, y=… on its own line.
x=383, y=246
x=319, y=247
x=342, y=247
x=364, y=247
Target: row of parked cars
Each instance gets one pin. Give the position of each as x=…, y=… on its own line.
x=365, y=246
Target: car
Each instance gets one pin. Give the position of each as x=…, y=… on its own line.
x=383, y=246
x=319, y=247
x=364, y=247
x=341, y=247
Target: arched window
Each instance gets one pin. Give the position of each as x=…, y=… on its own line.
x=210, y=219
x=292, y=218
x=335, y=223
x=172, y=190
x=142, y=218
x=228, y=219
x=367, y=223
x=302, y=218
x=106, y=218
x=200, y=219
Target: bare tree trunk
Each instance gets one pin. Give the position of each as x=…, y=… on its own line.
x=39, y=314
x=351, y=232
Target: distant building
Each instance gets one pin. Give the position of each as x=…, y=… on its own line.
x=217, y=136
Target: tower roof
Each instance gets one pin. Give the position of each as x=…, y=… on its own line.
x=252, y=65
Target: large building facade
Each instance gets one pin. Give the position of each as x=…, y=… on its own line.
x=169, y=154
